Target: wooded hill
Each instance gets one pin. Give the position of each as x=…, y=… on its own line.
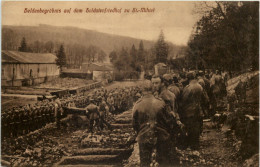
x=69, y=37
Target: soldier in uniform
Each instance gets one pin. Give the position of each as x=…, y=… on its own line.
x=153, y=125
x=4, y=126
x=168, y=82
x=240, y=91
x=17, y=123
x=52, y=111
x=30, y=118
x=36, y=120
x=25, y=120
x=231, y=98
x=102, y=112
x=206, y=88
x=93, y=114
x=183, y=81
x=39, y=115
x=43, y=113
x=57, y=112
x=168, y=97
x=48, y=113
x=191, y=110
x=12, y=122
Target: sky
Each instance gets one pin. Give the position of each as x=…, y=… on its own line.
x=175, y=18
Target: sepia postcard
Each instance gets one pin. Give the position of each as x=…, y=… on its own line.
x=129, y=83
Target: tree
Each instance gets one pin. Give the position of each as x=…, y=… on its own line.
x=161, y=49
x=23, y=47
x=61, y=58
x=133, y=57
x=226, y=36
x=140, y=54
x=113, y=56
x=101, y=56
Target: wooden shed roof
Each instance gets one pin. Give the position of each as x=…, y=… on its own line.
x=26, y=57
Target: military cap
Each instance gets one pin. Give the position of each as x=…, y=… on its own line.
x=174, y=78
x=167, y=77
x=190, y=75
x=201, y=72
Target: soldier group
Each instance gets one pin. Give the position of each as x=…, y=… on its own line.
x=24, y=119
x=168, y=112
x=171, y=110
x=101, y=102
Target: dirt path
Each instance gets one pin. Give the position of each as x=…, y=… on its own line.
x=216, y=149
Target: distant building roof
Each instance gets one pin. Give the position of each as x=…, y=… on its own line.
x=26, y=57
x=95, y=67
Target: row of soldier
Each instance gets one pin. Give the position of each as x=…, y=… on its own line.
x=171, y=110
x=24, y=119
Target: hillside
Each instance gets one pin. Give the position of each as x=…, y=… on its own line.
x=70, y=35
x=12, y=35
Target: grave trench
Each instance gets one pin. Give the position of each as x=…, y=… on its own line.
x=104, y=148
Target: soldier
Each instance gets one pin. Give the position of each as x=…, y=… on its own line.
x=206, y=88
x=102, y=112
x=240, y=91
x=30, y=118
x=57, y=112
x=39, y=115
x=231, y=98
x=52, y=111
x=4, y=126
x=47, y=114
x=168, y=97
x=93, y=114
x=153, y=124
x=25, y=120
x=168, y=79
x=183, y=81
x=44, y=120
x=35, y=117
x=191, y=110
x=17, y=123
x=12, y=122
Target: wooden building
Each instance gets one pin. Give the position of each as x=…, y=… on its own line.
x=94, y=71
x=24, y=69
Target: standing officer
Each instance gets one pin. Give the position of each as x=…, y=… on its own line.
x=153, y=124
x=191, y=110
x=168, y=97
x=93, y=114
